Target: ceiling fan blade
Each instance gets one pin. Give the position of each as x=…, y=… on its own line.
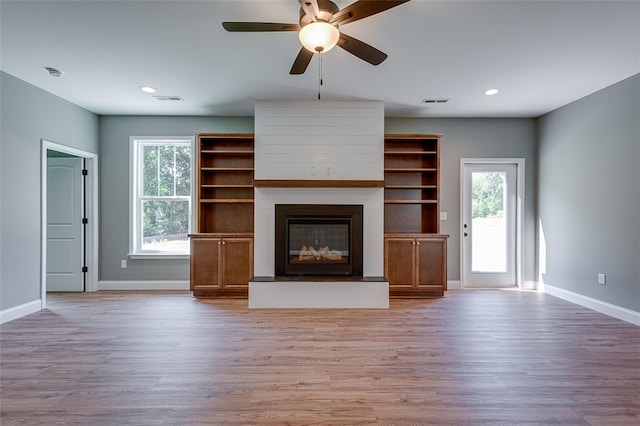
x=259, y=26
x=361, y=49
x=302, y=61
x=362, y=9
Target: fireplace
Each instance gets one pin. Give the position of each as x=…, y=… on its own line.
x=315, y=240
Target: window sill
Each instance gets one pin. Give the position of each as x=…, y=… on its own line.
x=159, y=256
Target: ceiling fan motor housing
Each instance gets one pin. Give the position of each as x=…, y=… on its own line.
x=327, y=10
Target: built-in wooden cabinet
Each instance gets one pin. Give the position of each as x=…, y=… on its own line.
x=222, y=246
x=221, y=264
x=416, y=265
x=415, y=252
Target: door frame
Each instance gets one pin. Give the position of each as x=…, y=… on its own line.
x=91, y=203
x=520, y=174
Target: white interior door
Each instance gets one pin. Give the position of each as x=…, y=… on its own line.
x=65, y=237
x=489, y=192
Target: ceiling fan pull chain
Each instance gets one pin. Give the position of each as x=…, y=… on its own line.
x=319, y=72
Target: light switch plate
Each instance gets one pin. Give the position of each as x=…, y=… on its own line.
x=443, y=215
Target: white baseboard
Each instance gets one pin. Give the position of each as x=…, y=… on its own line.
x=20, y=311
x=526, y=285
x=143, y=285
x=606, y=308
x=454, y=285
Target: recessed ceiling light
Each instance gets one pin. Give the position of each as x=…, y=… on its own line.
x=147, y=89
x=491, y=92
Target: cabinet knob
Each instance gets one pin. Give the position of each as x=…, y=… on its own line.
x=223, y=243
x=219, y=242
x=418, y=243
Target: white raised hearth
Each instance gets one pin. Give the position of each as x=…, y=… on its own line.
x=284, y=292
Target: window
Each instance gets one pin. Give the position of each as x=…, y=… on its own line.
x=160, y=196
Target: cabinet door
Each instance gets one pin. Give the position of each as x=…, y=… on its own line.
x=237, y=262
x=431, y=267
x=205, y=262
x=399, y=264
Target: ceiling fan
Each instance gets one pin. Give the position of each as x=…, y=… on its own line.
x=318, y=29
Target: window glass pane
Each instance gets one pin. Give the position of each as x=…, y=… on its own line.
x=162, y=196
x=166, y=172
x=183, y=171
x=165, y=225
x=150, y=170
x=489, y=243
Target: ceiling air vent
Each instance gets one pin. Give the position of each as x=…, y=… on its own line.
x=435, y=101
x=169, y=98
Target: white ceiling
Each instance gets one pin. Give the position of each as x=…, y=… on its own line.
x=540, y=54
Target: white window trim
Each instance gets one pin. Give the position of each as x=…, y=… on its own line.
x=134, y=185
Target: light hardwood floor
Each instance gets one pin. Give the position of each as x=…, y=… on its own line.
x=474, y=357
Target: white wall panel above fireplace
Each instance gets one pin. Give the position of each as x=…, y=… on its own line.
x=319, y=140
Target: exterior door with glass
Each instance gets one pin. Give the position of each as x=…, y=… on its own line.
x=489, y=224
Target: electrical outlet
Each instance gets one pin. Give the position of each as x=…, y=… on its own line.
x=602, y=279
x=123, y=263
x=443, y=215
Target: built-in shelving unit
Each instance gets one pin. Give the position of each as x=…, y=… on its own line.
x=222, y=247
x=415, y=252
x=411, y=174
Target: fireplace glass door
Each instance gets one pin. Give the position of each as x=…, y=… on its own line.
x=318, y=245
x=318, y=240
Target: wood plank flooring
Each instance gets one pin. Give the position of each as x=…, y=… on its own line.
x=474, y=357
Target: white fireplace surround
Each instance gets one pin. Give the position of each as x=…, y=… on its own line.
x=372, y=200
x=323, y=141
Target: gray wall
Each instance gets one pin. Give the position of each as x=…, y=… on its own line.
x=589, y=195
x=29, y=114
x=478, y=138
x=114, y=189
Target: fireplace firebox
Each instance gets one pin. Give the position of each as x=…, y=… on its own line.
x=318, y=240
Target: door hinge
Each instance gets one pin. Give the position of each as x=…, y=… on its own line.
x=85, y=172
x=85, y=220
x=85, y=269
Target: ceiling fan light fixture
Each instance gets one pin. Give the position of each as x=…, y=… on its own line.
x=319, y=36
